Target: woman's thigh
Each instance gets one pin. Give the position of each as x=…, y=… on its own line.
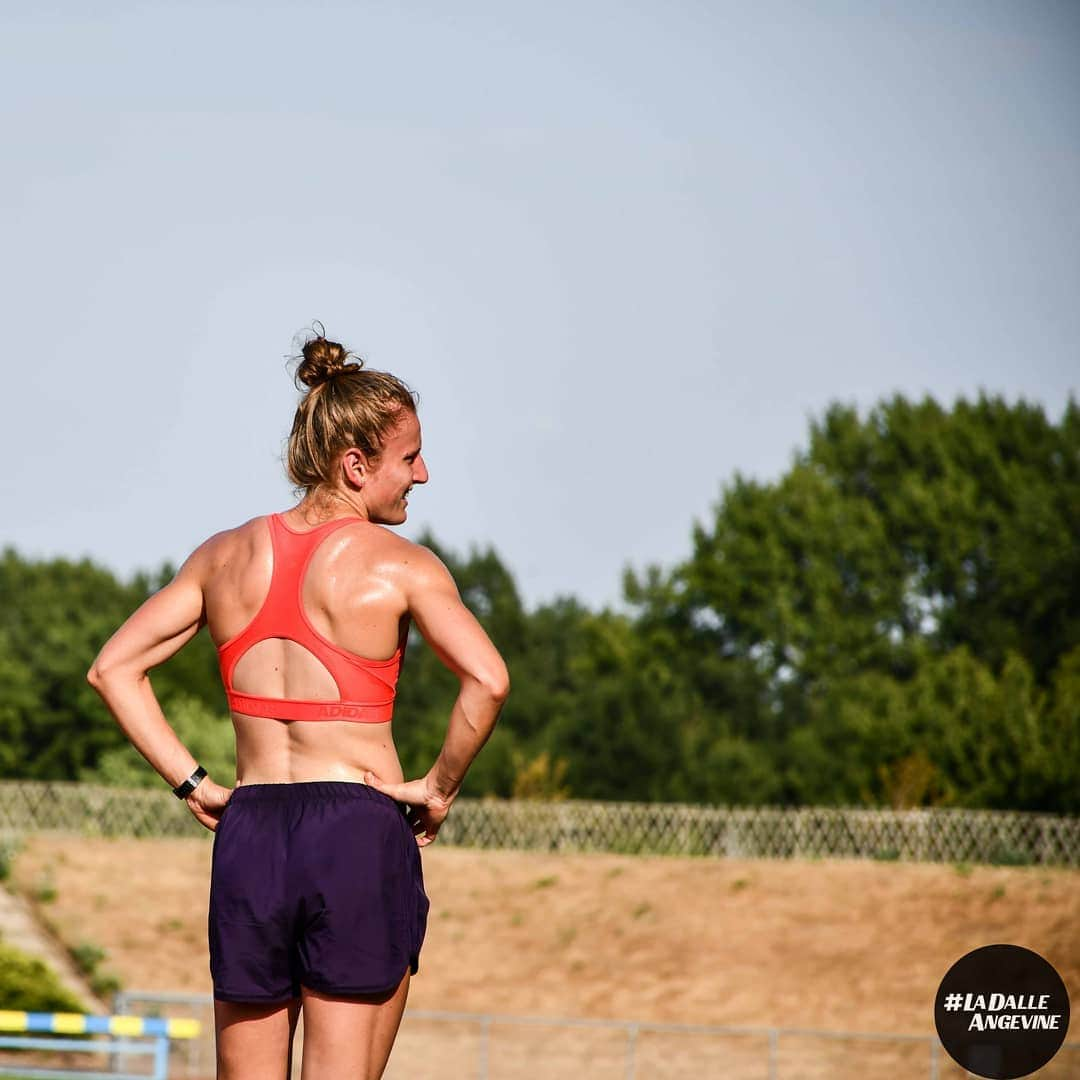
x=350, y=1036
x=254, y=1042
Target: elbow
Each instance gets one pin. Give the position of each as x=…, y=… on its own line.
x=490, y=683
x=499, y=691
x=100, y=676
x=497, y=684
x=97, y=674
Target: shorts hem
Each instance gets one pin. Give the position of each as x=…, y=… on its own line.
x=324, y=988
x=255, y=999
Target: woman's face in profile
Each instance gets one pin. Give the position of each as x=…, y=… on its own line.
x=386, y=486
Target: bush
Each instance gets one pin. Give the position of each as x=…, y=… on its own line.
x=26, y=983
x=1002, y=855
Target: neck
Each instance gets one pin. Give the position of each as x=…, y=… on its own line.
x=329, y=504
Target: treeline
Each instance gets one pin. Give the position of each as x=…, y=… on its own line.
x=895, y=621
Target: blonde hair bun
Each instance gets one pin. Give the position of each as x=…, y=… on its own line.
x=323, y=360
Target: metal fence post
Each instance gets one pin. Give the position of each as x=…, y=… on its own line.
x=485, y=1031
x=119, y=1008
x=631, y=1043
x=933, y=1057
x=161, y=1058
x=774, y=1053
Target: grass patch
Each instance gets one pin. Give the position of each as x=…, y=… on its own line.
x=887, y=854
x=105, y=983
x=545, y=882
x=44, y=890
x=87, y=956
x=8, y=851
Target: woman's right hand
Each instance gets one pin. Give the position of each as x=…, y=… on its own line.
x=427, y=809
x=208, y=801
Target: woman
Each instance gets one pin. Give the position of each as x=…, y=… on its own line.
x=316, y=891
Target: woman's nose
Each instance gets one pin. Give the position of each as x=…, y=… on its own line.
x=420, y=473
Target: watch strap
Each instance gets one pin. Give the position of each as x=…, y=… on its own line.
x=182, y=791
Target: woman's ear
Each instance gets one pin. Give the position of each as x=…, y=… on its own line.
x=354, y=466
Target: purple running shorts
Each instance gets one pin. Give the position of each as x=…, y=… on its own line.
x=317, y=883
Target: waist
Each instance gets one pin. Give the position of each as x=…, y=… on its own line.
x=307, y=791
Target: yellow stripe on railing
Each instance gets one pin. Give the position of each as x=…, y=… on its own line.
x=125, y=1025
x=184, y=1028
x=12, y=1020
x=69, y=1023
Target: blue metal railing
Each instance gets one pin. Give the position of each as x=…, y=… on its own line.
x=133, y=1035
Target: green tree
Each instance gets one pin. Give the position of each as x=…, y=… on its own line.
x=1062, y=730
x=55, y=617
x=982, y=505
x=885, y=620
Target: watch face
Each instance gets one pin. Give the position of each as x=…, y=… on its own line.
x=190, y=784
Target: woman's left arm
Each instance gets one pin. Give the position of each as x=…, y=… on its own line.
x=160, y=627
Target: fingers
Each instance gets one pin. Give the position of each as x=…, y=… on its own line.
x=404, y=793
x=387, y=789
x=395, y=791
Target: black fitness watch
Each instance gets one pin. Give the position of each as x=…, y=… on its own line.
x=190, y=784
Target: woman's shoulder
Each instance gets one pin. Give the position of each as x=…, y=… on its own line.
x=379, y=549
x=222, y=546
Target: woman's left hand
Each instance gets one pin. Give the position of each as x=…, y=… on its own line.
x=207, y=802
x=427, y=809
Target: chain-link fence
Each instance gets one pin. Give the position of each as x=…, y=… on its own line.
x=930, y=835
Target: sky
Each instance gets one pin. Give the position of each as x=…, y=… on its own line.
x=621, y=250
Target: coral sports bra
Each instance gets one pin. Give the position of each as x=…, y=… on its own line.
x=366, y=687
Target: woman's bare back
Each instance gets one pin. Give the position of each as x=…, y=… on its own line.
x=353, y=595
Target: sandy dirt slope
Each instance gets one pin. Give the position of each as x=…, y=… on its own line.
x=840, y=945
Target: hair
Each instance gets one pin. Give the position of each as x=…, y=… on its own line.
x=346, y=405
